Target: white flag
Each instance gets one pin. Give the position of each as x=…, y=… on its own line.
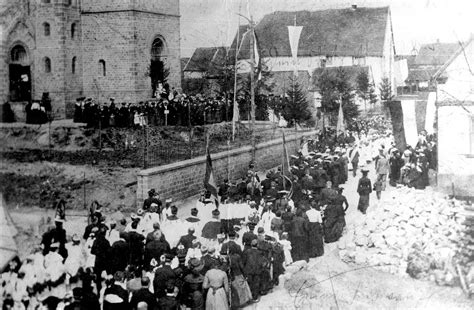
x=341, y=128
x=294, y=33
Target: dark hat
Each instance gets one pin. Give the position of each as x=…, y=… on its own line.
x=75, y=238
x=152, y=192
x=169, y=257
x=215, y=212
x=232, y=234
x=194, y=211
x=252, y=225
x=260, y=230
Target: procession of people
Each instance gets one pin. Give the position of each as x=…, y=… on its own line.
x=160, y=258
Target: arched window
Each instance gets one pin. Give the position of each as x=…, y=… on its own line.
x=73, y=30
x=47, y=29
x=73, y=65
x=102, y=68
x=47, y=65
x=157, y=48
x=18, y=54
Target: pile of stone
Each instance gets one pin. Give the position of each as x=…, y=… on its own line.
x=410, y=232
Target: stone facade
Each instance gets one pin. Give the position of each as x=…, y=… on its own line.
x=184, y=179
x=98, y=49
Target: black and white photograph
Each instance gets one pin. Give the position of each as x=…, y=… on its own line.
x=236, y=154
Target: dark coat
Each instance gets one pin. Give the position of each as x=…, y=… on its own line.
x=145, y=295
x=119, y=255
x=163, y=274
x=155, y=249
x=187, y=241
x=252, y=261
x=231, y=247
x=101, y=249
x=120, y=292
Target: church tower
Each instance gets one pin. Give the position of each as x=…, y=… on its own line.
x=120, y=39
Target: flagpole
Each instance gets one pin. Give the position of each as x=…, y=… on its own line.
x=252, y=86
x=234, y=116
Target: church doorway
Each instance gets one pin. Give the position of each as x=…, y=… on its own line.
x=158, y=72
x=20, y=75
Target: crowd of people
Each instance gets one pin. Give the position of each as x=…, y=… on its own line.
x=179, y=110
x=161, y=259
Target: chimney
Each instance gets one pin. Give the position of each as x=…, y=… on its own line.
x=354, y=7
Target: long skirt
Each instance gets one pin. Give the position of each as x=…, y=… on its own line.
x=363, y=203
x=216, y=299
x=333, y=228
x=299, y=249
x=240, y=291
x=316, y=244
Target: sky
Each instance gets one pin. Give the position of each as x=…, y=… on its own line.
x=206, y=23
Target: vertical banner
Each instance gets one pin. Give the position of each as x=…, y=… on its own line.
x=430, y=113
x=341, y=127
x=409, y=122
x=294, y=33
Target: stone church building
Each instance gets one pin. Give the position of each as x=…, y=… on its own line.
x=92, y=48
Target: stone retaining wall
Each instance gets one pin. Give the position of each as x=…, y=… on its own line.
x=183, y=179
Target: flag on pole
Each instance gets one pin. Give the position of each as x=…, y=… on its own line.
x=258, y=63
x=209, y=181
x=294, y=33
x=341, y=127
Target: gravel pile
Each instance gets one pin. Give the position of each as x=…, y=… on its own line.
x=410, y=232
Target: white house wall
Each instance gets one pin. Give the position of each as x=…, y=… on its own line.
x=309, y=64
x=455, y=163
x=460, y=73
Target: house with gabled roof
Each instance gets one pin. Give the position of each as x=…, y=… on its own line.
x=354, y=36
x=455, y=121
x=430, y=58
x=203, y=69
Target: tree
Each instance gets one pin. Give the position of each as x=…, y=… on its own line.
x=334, y=87
x=296, y=106
x=372, y=95
x=263, y=86
x=385, y=89
x=363, y=85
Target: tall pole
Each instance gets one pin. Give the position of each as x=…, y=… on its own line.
x=234, y=117
x=252, y=86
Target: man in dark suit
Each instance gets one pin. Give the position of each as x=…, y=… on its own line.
x=155, y=248
x=168, y=302
x=143, y=295
x=119, y=254
x=163, y=275
x=249, y=236
x=115, y=296
x=187, y=240
x=231, y=246
x=252, y=258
